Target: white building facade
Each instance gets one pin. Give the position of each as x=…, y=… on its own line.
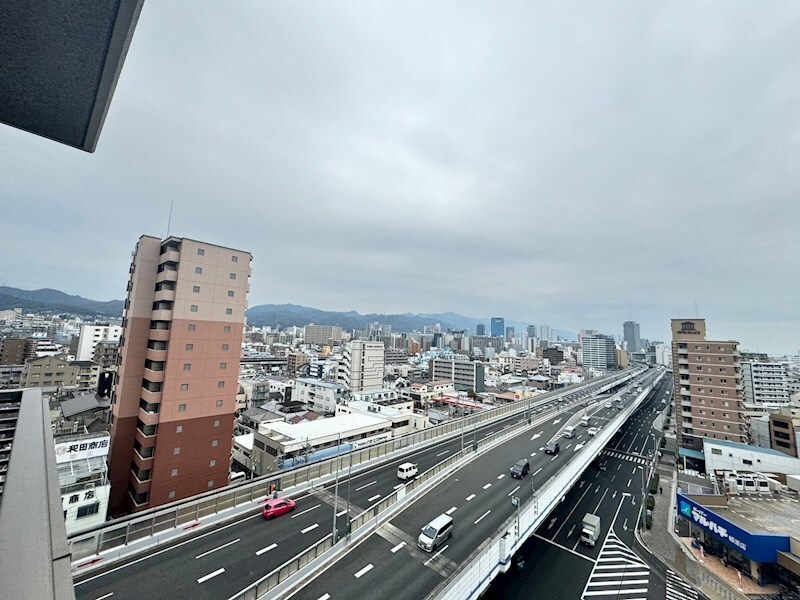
x=92, y=334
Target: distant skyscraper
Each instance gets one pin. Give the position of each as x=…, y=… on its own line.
x=175, y=400
x=480, y=329
x=509, y=334
x=599, y=352
x=362, y=366
x=498, y=326
x=543, y=332
x=630, y=333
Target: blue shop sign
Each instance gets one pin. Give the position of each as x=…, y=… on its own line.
x=760, y=547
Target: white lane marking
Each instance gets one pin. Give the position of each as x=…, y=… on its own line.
x=487, y=486
x=106, y=596
x=470, y=497
x=267, y=549
x=363, y=571
x=537, y=472
x=452, y=510
x=398, y=486
x=514, y=490
x=482, y=516
x=358, y=489
x=634, y=471
x=629, y=483
x=309, y=528
x=571, y=529
x=324, y=597
x=396, y=548
x=218, y=548
x=375, y=497
x=533, y=453
x=501, y=476
x=437, y=554
x=343, y=512
x=442, y=453
x=601, y=501
x=210, y=575
x=536, y=435
x=305, y=511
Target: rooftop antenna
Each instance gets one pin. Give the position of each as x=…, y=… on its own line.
x=169, y=221
x=695, y=302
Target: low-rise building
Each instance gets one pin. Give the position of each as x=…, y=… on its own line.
x=318, y=395
x=464, y=373
x=784, y=430
x=50, y=373
x=88, y=375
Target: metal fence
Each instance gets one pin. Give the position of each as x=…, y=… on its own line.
x=114, y=539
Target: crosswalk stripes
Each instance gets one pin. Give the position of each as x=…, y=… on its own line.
x=618, y=573
x=678, y=589
x=634, y=459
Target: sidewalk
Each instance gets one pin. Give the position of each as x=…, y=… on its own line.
x=709, y=576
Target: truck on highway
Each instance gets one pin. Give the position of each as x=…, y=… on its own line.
x=591, y=529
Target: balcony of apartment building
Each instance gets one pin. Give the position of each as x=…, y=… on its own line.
x=162, y=311
x=154, y=373
x=165, y=292
x=146, y=434
x=159, y=331
x=170, y=254
x=148, y=412
x=142, y=454
x=141, y=477
x=156, y=351
x=151, y=391
x=139, y=499
x=167, y=272
x=686, y=391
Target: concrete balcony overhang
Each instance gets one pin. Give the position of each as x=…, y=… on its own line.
x=145, y=440
x=148, y=418
x=150, y=397
x=170, y=255
x=156, y=355
x=159, y=335
x=140, y=486
x=145, y=463
x=167, y=275
x=161, y=315
x=154, y=376
x=167, y=295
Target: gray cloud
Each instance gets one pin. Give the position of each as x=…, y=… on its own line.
x=575, y=164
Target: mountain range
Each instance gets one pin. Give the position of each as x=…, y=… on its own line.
x=275, y=315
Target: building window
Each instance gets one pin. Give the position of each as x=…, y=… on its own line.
x=189, y=347
x=233, y=275
x=219, y=403
x=223, y=366
x=225, y=347
x=211, y=483
x=196, y=289
x=747, y=462
x=214, y=443
x=192, y=327
x=201, y=252
x=174, y=473
x=230, y=293
x=88, y=509
x=198, y=270
x=227, y=329
x=171, y=494
x=220, y=385
x=184, y=387
x=193, y=308
x=228, y=311
x=212, y=464
x=216, y=423
x=176, y=450
x=187, y=366
x=234, y=258
x=181, y=408
x=179, y=429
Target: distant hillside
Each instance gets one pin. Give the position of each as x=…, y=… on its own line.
x=292, y=315
x=55, y=302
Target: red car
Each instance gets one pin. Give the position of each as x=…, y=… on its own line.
x=275, y=507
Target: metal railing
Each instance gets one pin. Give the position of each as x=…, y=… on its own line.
x=115, y=538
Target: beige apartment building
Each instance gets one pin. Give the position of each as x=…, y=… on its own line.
x=709, y=394
x=51, y=373
x=175, y=397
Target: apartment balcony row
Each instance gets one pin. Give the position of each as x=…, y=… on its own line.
x=170, y=254
x=165, y=295
x=167, y=275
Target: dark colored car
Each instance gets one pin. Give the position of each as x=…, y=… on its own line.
x=521, y=468
x=599, y=464
x=552, y=448
x=275, y=507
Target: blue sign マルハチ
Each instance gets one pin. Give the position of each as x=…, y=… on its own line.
x=759, y=547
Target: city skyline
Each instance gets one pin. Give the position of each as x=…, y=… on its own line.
x=365, y=161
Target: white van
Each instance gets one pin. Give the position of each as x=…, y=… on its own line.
x=435, y=533
x=585, y=422
x=407, y=471
x=569, y=431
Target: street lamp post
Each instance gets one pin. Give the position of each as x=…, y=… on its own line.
x=336, y=487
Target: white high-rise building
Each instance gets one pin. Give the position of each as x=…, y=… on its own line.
x=92, y=334
x=362, y=366
x=765, y=383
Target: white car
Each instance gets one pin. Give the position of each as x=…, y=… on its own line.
x=592, y=431
x=608, y=404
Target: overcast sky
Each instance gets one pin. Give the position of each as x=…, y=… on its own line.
x=577, y=164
